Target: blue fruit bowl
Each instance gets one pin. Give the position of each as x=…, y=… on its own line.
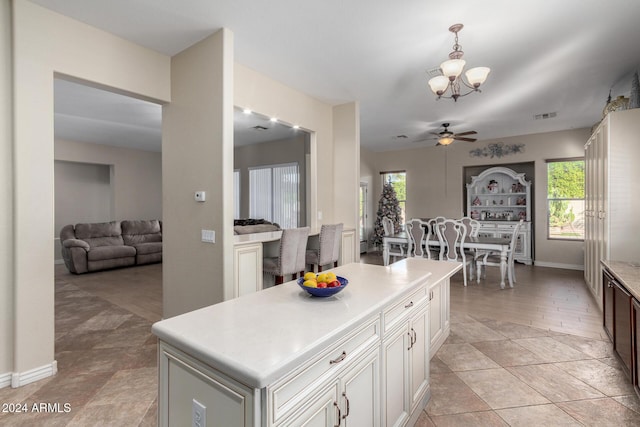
x=324, y=292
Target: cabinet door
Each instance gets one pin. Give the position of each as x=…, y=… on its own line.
x=636, y=345
x=622, y=326
x=395, y=370
x=360, y=393
x=436, y=326
x=419, y=356
x=607, y=303
x=323, y=411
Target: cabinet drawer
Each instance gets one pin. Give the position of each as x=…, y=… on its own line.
x=287, y=394
x=398, y=312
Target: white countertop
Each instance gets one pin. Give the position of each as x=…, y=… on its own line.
x=269, y=236
x=259, y=337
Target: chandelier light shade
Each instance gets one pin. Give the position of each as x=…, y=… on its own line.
x=445, y=140
x=449, y=83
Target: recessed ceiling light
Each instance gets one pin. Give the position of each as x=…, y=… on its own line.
x=247, y=111
x=273, y=119
x=296, y=126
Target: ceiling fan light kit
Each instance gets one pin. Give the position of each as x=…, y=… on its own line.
x=446, y=137
x=451, y=71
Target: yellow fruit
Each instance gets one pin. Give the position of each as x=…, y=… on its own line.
x=310, y=275
x=310, y=283
x=331, y=276
x=322, y=277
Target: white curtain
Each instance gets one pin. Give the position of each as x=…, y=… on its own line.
x=274, y=194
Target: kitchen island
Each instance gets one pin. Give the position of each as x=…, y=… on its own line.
x=282, y=357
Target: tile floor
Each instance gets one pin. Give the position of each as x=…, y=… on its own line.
x=496, y=368
x=496, y=373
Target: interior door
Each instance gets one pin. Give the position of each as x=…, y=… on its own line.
x=363, y=214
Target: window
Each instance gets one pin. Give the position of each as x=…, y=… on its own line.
x=236, y=194
x=273, y=194
x=565, y=199
x=398, y=180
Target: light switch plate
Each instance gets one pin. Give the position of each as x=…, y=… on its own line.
x=198, y=414
x=208, y=236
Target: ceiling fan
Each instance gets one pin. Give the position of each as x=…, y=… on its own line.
x=446, y=137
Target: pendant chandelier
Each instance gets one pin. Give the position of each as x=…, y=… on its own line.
x=451, y=80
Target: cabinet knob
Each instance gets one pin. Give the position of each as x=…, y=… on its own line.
x=409, y=305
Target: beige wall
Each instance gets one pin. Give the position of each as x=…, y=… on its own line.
x=271, y=98
x=429, y=194
x=197, y=147
x=46, y=43
x=346, y=166
x=136, y=180
x=290, y=150
x=6, y=195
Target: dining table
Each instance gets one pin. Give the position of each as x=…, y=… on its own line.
x=497, y=244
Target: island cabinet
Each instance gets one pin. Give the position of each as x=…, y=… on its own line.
x=621, y=294
x=279, y=357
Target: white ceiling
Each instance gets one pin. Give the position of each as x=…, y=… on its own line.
x=545, y=56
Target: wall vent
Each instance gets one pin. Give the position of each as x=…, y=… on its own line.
x=434, y=72
x=400, y=137
x=544, y=116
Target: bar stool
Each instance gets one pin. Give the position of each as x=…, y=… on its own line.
x=328, y=251
x=293, y=244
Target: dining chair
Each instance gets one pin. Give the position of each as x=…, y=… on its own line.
x=417, y=233
x=328, y=250
x=451, y=233
x=291, y=258
x=420, y=233
x=395, y=249
x=473, y=226
x=492, y=258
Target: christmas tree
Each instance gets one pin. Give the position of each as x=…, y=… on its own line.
x=389, y=207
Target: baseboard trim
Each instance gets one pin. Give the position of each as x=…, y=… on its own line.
x=19, y=379
x=558, y=265
x=5, y=380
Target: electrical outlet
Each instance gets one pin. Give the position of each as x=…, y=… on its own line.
x=198, y=414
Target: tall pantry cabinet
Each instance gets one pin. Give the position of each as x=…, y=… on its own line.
x=612, y=195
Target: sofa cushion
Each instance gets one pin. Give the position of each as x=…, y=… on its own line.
x=258, y=228
x=109, y=252
x=141, y=231
x=100, y=233
x=148, y=248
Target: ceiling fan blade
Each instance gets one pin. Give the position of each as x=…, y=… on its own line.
x=471, y=132
x=457, y=138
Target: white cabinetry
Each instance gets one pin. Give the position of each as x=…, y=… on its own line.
x=359, y=359
x=405, y=359
x=498, y=198
x=612, y=200
x=247, y=262
x=439, y=324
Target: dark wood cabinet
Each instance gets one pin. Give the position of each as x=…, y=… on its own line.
x=607, y=303
x=635, y=315
x=622, y=327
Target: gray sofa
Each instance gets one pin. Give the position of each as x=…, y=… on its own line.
x=99, y=246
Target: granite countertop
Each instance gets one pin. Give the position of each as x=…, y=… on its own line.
x=259, y=337
x=627, y=273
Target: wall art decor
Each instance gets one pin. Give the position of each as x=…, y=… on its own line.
x=498, y=149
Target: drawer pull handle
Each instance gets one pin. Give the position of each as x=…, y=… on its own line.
x=409, y=305
x=339, y=414
x=346, y=414
x=339, y=358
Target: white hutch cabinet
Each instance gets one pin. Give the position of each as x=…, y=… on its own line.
x=500, y=197
x=612, y=199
